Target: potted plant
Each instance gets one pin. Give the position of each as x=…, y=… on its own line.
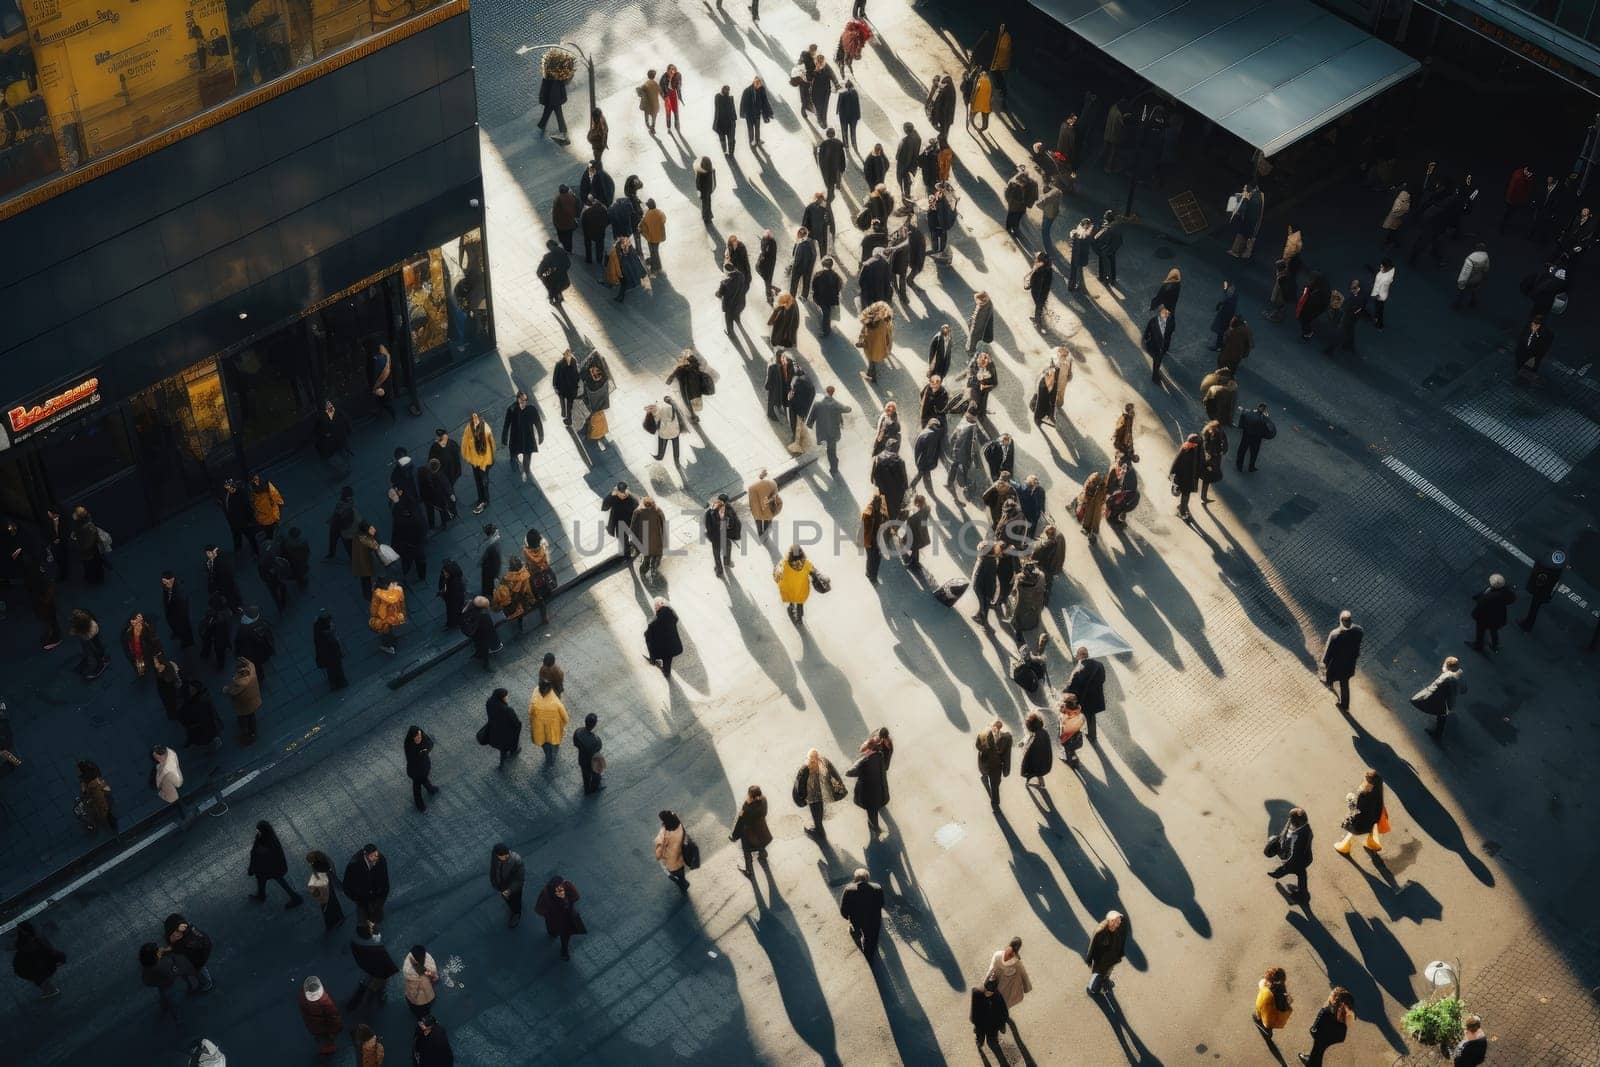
x=1436, y=1022
x=559, y=65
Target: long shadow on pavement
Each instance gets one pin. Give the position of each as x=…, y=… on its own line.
x=795, y=973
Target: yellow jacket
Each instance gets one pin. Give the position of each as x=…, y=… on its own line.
x=979, y=104
x=794, y=583
x=1270, y=1017
x=547, y=717
x=388, y=610
x=267, y=504
x=469, y=450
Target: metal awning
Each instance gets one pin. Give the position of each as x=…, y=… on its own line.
x=1268, y=71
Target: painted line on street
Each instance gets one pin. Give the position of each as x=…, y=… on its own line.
x=1438, y=496
x=166, y=830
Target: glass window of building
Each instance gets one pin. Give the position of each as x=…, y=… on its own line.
x=184, y=436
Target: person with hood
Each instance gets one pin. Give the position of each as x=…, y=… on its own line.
x=1107, y=947
x=751, y=831
x=661, y=641
x=1186, y=472
x=888, y=476
x=194, y=947
x=506, y=873
x=871, y=772
x=245, y=691
x=564, y=220
x=547, y=720
x=269, y=864
x=386, y=612
x=876, y=339
x=725, y=120
x=755, y=108
x=36, y=960
x=558, y=907
x=555, y=268
x=1292, y=848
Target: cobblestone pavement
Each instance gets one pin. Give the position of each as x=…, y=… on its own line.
x=1364, y=500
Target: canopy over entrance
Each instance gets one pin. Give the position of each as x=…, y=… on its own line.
x=1267, y=71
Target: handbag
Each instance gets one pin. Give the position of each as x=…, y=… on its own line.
x=598, y=765
x=798, y=793
x=483, y=734
x=1383, y=821
x=317, y=887
x=81, y=810
x=103, y=539
x=691, y=851
x=650, y=424
x=387, y=556
x=708, y=385
x=820, y=582
x=1272, y=847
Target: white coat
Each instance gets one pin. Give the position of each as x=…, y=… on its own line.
x=1381, y=283
x=667, y=424
x=169, y=778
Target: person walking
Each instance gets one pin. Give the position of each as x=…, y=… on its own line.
x=1107, y=946
x=785, y=323
x=186, y=940
x=376, y=962
x=386, y=612
x=418, y=976
x=989, y=1015
x=547, y=720
x=1245, y=221
x=994, y=758
x=1038, y=756
x=1367, y=815
x=831, y=162
x=1292, y=847
x=244, y=689
x=553, y=97
x=94, y=794
x=816, y=785
x=668, y=430
x=725, y=120
x=861, y=905
x=558, y=906
x=418, y=748
x=751, y=831
x=802, y=264
x=1491, y=609
x=721, y=526
x=1009, y=974
x=523, y=433
x=793, y=576
x=1274, y=1005
x=661, y=640
x=269, y=864
x=1340, y=653
x=501, y=731
x=1254, y=427
x=505, y=878
x=756, y=109
x=159, y=970
x=599, y=135
x=591, y=765
x=1330, y=1027
x=36, y=960
x=322, y=887
x=871, y=772
x=669, y=848
x=1037, y=283
x=366, y=883
x=430, y=1045
x=167, y=779
x=594, y=219
x=1438, y=698
x=368, y=1046
x=1088, y=683
x=477, y=448
x=1186, y=472
x=564, y=220
x=976, y=88
x=876, y=339
x=320, y=1015
x=826, y=422
x=1474, y=271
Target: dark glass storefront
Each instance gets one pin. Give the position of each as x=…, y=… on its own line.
x=173, y=443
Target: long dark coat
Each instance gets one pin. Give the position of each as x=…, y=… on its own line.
x=750, y=828
x=1088, y=683
x=1186, y=467
x=1107, y=947
x=871, y=772
x=661, y=638
x=1038, y=757
x=1490, y=607
x=267, y=858
x=785, y=322
x=419, y=764
x=504, y=729
x=560, y=914
x=1340, y=653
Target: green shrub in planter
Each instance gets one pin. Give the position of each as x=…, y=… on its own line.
x=1435, y=1022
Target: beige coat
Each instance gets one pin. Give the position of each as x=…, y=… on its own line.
x=649, y=97
x=419, y=984
x=1012, y=978
x=1398, y=211
x=877, y=332
x=669, y=848
x=245, y=689
x=764, y=500
x=169, y=778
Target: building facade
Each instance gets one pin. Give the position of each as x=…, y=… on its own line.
x=215, y=216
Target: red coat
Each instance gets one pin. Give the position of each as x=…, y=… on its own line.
x=321, y=1016
x=1519, y=188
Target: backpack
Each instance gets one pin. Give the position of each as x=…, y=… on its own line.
x=708, y=384
x=650, y=424
x=1025, y=674
x=864, y=218
x=797, y=76
x=691, y=851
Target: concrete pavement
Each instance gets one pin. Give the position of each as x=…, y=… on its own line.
x=1217, y=726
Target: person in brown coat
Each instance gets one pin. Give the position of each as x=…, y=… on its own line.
x=876, y=338
x=245, y=690
x=1237, y=341
x=564, y=216
x=320, y=1014
x=764, y=501
x=994, y=758
x=750, y=829
x=1122, y=436
x=649, y=530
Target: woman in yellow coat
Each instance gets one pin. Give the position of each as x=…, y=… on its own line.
x=388, y=610
x=979, y=105
x=477, y=448
x=267, y=505
x=547, y=719
x=1274, y=1005
x=793, y=576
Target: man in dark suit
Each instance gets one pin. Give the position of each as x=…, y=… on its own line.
x=1294, y=852
x=1088, y=683
x=505, y=876
x=1339, y=657
x=1533, y=345
x=862, y=904
x=366, y=883
x=1157, y=339
x=175, y=606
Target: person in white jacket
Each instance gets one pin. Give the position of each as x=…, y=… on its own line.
x=1382, y=282
x=668, y=427
x=168, y=777
x=1474, y=269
